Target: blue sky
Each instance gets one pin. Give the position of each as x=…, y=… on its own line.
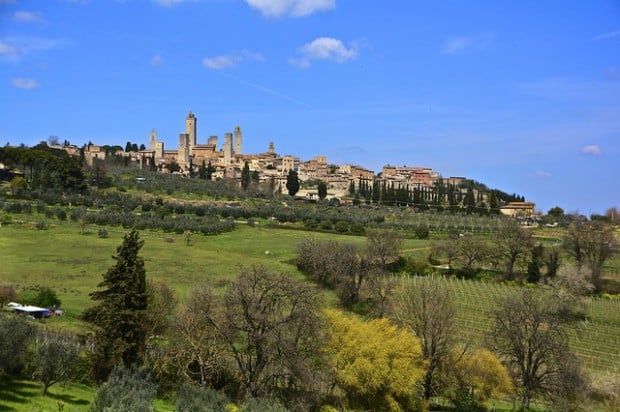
x=523, y=96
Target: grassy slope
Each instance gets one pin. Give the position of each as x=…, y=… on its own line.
x=72, y=264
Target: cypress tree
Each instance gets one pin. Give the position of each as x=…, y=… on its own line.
x=117, y=318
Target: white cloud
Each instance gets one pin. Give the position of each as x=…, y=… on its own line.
x=219, y=62
x=324, y=48
x=462, y=44
x=231, y=60
x=23, y=83
x=456, y=44
x=8, y=50
x=608, y=35
x=591, y=150
x=28, y=17
x=293, y=8
x=170, y=3
x=156, y=60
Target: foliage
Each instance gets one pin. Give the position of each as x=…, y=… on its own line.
x=292, y=183
x=118, y=318
x=55, y=361
x=46, y=297
x=374, y=363
x=15, y=334
x=322, y=190
x=477, y=376
x=193, y=398
x=262, y=405
x=126, y=390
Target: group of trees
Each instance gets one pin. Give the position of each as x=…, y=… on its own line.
x=512, y=248
x=468, y=197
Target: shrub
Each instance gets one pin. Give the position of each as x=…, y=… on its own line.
x=192, y=398
x=103, y=233
x=41, y=225
x=127, y=389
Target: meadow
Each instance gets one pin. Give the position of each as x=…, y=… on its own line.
x=72, y=262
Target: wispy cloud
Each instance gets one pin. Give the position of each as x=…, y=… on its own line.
x=13, y=48
x=462, y=44
x=24, y=83
x=541, y=174
x=28, y=17
x=608, y=35
x=264, y=89
x=591, y=150
x=169, y=3
x=231, y=60
x=324, y=48
x=7, y=50
x=292, y=8
x=156, y=60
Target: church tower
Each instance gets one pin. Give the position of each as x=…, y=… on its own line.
x=190, y=129
x=238, y=141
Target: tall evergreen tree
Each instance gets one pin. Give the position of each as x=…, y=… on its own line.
x=202, y=171
x=245, y=176
x=322, y=190
x=493, y=203
x=119, y=330
x=210, y=170
x=292, y=183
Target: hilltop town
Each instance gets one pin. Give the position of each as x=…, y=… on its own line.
x=416, y=184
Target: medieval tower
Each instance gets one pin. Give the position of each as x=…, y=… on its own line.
x=228, y=146
x=238, y=140
x=190, y=129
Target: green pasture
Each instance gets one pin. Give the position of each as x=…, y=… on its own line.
x=72, y=263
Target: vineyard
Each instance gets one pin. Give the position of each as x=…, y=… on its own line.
x=596, y=339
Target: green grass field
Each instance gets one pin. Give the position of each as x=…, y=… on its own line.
x=72, y=264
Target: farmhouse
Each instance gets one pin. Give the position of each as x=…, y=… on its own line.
x=521, y=209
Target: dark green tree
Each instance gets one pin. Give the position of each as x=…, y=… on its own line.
x=245, y=176
x=322, y=190
x=118, y=318
x=535, y=264
x=292, y=183
x=493, y=203
x=46, y=298
x=210, y=170
x=202, y=171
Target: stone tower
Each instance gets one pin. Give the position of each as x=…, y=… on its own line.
x=228, y=146
x=238, y=140
x=190, y=129
x=183, y=154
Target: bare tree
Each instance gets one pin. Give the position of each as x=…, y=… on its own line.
x=382, y=247
x=471, y=251
x=197, y=349
x=512, y=242
x=426, y=308
x=591, y=243
x=530, y=335
x=271, y=325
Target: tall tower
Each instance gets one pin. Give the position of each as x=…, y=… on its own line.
x=190, y=129
x=238, y=140
x=183, y=153
x=228, y=145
